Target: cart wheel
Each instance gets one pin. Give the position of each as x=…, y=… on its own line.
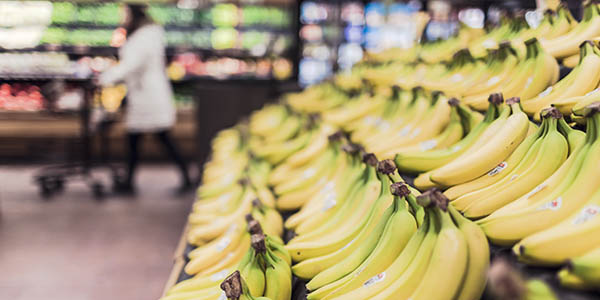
x=59, y=184
x=98, y=191
x=46, y=190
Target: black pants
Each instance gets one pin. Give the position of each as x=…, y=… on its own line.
x=165, y=139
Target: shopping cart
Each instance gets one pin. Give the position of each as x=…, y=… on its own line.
x=94, y=122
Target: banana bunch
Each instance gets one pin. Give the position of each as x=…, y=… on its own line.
x=582, y=272
x=534, y=160
x=210, y=263
x=317, y=98
x=228, y=247
x=361, y=201
x=306, y=172
x=493, y=146
x=582, y=80
x=562, y=196
x=414, y=120
x=408, y=270
x=386, y=240
x=274, y=136
x=226, y=166
x=265, y=272
x=442, y=50
x=425, y=159
x=444, y=125
x=526, y=79
x=567, y=44
x=506, y=283
x=329, y=195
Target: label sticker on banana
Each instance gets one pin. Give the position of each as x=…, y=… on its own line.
x=369, y=120
x=493, y=80
x=535, y=190
x=375, y=279
x=223, y=243
x=328, y=186
x=309, y=173
x=428, y=145
x=404, y=131
x=329, y=202
x=501, y=166
x=587, y=213
x=592, y=92
x=545, y=92
x=456, y=77
x=489, y=43
x=219, y=276
x=528, y=83
x=553, y=205
x=415, y=132
x=456, y=148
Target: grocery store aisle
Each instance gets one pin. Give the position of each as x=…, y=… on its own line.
x=76, y=248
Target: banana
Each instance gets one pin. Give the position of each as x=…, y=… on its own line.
x=586, y=267
x=278, y=278
x=254, y=275
x=429, y=160
x=567, y=44
x=497, y=173
x=575, y=137
x=571, y=238
x=474, y=164
x=207, y=255
x=307, y=176
x=513, y=225
x=347, y=230
x=432, y=125
x=452, y=134
x=539, y=163
x=424, y=182
x=580, y=81
x=197, y=283
x=577, y=103
x=210, y=231
x=570, y=280
x=446, y=274
x=539, y=290
x=478, y=261
x=405, y=271
x=328, y=207
x=267, y=120
x=287, y=130
x=226, y=262
x=353, y=110
x=316, y=146
x=211, y=293
x=402, y=127
x=360, y=251
x=400, y=227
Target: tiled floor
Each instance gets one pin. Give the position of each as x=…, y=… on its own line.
x=73, y=248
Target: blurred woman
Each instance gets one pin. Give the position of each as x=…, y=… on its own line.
x=150, y=107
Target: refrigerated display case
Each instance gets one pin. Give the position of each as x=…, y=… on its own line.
x=331, y=38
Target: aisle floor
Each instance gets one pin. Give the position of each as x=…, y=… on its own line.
x=78, y=249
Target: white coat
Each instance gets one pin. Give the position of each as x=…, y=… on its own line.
x=142, y=67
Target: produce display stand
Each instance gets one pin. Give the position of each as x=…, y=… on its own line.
x=299, y=290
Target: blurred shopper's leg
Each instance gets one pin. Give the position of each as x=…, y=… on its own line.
x=165, y=138
x=134, y=157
